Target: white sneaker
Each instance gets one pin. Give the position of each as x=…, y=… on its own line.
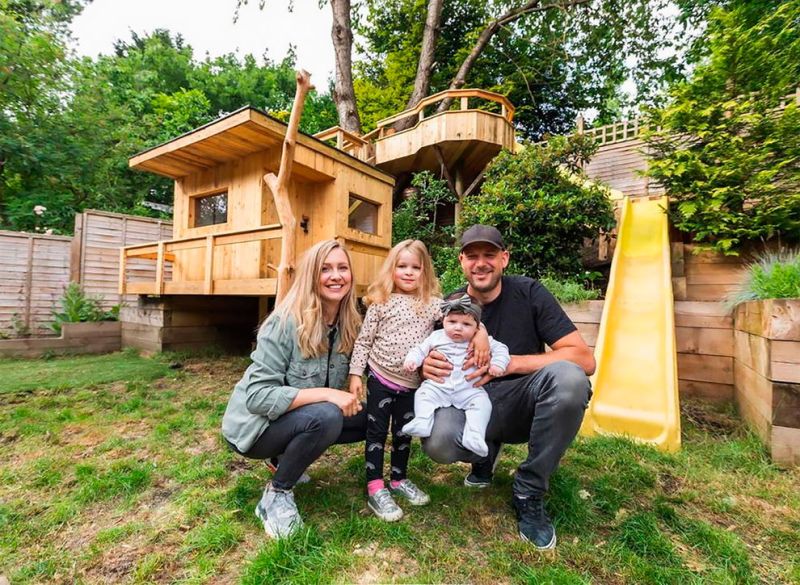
x=278, y=512
x=414, y=495
x=384, y=506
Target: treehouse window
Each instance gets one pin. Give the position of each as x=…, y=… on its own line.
x=211, y=209
x=363, y=215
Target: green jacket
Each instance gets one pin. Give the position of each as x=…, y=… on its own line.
x=272, y=381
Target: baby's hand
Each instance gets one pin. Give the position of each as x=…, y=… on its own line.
x=409, y=366
x=496, y=371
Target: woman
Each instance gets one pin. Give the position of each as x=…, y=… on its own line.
x=287, y=403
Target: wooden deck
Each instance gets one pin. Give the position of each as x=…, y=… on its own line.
x=466, y=138
x=218, y=265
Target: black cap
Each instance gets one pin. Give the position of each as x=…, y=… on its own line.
x=482, y=233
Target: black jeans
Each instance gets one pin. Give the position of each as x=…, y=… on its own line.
x=544, y=409
x=384, y=403
x=302, y=435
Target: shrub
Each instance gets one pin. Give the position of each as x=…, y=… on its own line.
x=569, y=291
x=774, y=276
x=727, y=157
x=543, y=205
x=78, y=307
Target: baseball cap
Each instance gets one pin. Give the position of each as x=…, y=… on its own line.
x=482, y=233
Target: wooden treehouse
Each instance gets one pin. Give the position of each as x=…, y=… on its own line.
x=458, y=142
x=251, y=194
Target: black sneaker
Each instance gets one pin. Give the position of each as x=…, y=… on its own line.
x=482, y=473
x=534, y=525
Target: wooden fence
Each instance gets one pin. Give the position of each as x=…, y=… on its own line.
x=34, y=268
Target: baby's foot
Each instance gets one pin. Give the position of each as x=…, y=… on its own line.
x=475, y=442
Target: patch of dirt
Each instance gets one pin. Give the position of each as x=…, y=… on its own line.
x=715, y=423
x=383, y=562
x=669, y=483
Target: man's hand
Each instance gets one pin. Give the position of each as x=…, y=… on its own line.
x=435, y=367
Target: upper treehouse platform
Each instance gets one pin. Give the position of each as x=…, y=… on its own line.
x=472, y=128
x=226, y=234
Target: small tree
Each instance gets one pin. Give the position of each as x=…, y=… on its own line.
x=727, y=155
x=543, y=205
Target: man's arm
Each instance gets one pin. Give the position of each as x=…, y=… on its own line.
x=571, y=347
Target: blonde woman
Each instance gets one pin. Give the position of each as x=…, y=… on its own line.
x=289, y=402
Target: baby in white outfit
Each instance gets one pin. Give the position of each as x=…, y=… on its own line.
x=461, y=320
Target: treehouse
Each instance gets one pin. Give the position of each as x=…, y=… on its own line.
x=227, y=236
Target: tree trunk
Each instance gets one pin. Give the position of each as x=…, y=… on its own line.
x=422, y=81
x=279, y=186
x=343, y=93
x=486, y=35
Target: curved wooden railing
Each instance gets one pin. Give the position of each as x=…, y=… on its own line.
x=384, y=127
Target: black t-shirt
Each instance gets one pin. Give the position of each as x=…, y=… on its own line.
x=525, y=316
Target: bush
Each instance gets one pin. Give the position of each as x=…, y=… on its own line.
x=774, y=276
x=543, y=205
x=727, y=157
x=569, y=291
x=78, y=307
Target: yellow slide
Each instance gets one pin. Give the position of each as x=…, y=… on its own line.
x=636, y=382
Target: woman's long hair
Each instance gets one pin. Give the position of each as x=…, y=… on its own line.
x=379, y=291
x=302, y=302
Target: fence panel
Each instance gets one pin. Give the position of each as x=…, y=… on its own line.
x=34, y=269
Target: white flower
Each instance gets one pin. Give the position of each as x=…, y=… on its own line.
x=584, y=495
x=39, y=209
x=49, y=231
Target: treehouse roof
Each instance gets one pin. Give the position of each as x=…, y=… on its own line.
x=246, y=131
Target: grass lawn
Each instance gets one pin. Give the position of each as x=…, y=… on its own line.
x=113, y=471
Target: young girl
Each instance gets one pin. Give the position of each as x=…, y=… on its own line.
x=403, y=303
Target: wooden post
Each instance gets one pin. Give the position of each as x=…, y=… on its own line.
x=29, y=284
x=122, y=262
x=76, y=250
x=579, y=124
x=279, y=186
x=464, y=103
x=459, y=189
x=160, y=270
x=208, y=284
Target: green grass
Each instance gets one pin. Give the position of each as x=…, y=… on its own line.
x=128, y=481
x=78, y=372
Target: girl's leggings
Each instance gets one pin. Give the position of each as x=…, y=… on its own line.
x=383, y=404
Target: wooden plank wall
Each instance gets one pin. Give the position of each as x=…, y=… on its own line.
x=34, y=269
x=767, y=368
x=619, y=164
x=95, y=255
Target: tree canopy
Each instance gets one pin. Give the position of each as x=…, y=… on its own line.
x=726, y=151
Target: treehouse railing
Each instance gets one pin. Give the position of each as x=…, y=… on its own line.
x=353, y=144
x=462, y=97
x=164, y=251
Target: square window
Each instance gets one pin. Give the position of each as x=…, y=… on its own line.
x=211, y=209
x=362, y=215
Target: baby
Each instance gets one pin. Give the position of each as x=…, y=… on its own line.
x=461, y=320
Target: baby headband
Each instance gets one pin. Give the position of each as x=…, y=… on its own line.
x=462, y=304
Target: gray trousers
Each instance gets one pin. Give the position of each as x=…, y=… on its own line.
x=544, y=409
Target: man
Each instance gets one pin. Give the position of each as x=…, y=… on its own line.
x=542, y=396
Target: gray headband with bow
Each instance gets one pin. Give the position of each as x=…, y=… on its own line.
x=462, y=304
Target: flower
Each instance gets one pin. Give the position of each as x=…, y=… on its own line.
x=39, y=209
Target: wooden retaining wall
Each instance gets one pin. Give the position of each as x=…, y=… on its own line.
x=767, y=373
x=34, y=269
x=704, y=342
x=75, y=338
